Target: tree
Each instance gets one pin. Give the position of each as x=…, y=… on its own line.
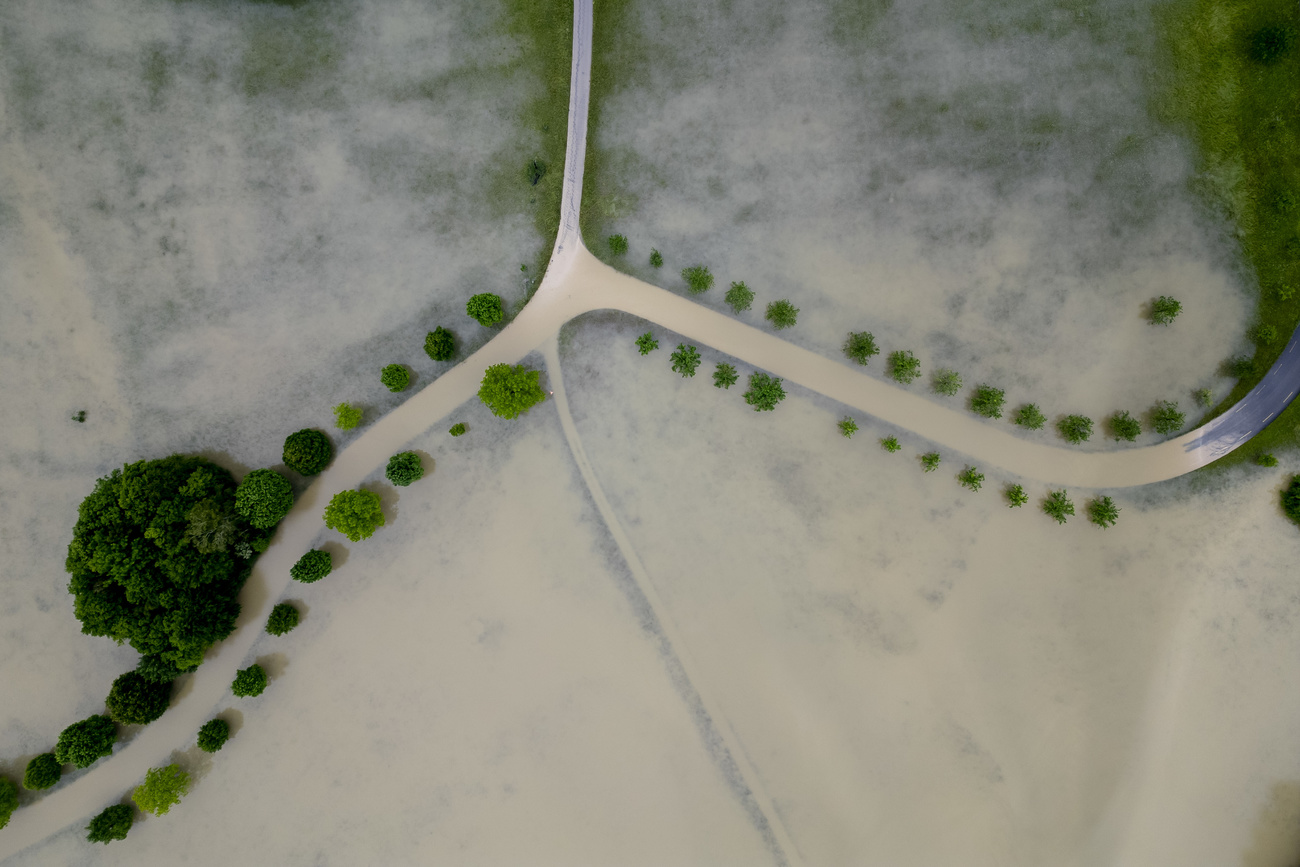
x=284, y=617
x=1266, y=460
x=765, y=392
x=510, y=391
x=1075, y=428
x=698, y=279
x=457, y=429
x=312, y=566
x=890, y=444
x=162, y=788
x=249, y=681
x=1124, y=427
x=685, y=360
x=782, y=314
x=1031, y=417
x=264, y=497
x=1164, y=309
x=485, y=308
x=213, y=735
x=848, y=427
x=85, y=742
x=346, y=416
x=42, y=772
x=535, y=171
x=1239, y=366
x=155, y=669
x=8, y=800
x=136, y=577
x=355, y=514
x=404, y=468
x=1103, y=512
x=739, y=296
x=309, y=451
x=134, y=700
x=656, y=259
x=646, y=343
x=617, y=245
x=1291, y=500
x=440, y=344
x=1058, y=506
x=904, y=367
x=860, y=346
x=1269, y=44
x=724, y=375
x=210, y=528
x=1166, y=418
x=1016, y=496
x=987, y=401
x=970, y=478
x=946, y=382
x=1204, y=398
x=930, y=461
x=395, y=377
x=113, y=823
x=1264, y=334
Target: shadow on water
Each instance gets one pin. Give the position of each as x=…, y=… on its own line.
x=1276, y=839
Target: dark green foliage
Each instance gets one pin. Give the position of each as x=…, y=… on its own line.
x=42, y=772
x=930, y=461
x=155, y=669
x=346, y=416
x=510, y=391
x=83, y=743
x=404, y=468
x=8, y=800
x=1075, y=428
x=440, y=344
x=1058, y=506
x=113, y=823
x=395, y=377
x=860, y=346
x=890, y=444
x=698, y=279
x=987, y=401
x=1204, y=398
x=1103, y=512
x=1264, y=459
x=724, y=375
x=1016, y=496
x=1291, y=499
x=617, y=245
x=946, y=382
x=457, y=429
x=355, y=514
x=211, y=529
x=970, y=478
x=1166, y=418
x=163, y=787
x=782, y=314
x=134, y=700
x=137, y=578
x=904, y=367
x=249, y=681
x=485, y=308
x=309, y=451
x=656, y=259
x=535, y=171
x=765, y=392
x=213, y=735
x=848, y=427
x=1269, y=44
x=1239, y=367
x=739, y=296
x=1031, y=417
x=1164, y=309
x=264, y=497
x=79, y=416
x=1264, y=334
x=685, y=360
x=1124, y=427
x=646, y=343
x=284, y=617
x=312, y=566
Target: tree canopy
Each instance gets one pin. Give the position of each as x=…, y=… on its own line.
x=312, y=566
x=765, y=392
x=1166, y=417
x=42, y=772
x=1291, y=499
x=440, y=344
x=213, y=735
x=458, y=429
x=1164, y=309
x=617, y=244
x=249, y=681
x=510, y=391
x=904, y=367
x=284, y=617
x=739, y=297
x=848, y=427
x=1124, y=426
x=646, y=343
x=1103, y=512
x=485, y=308
x=85, y=742
x=1058, y=506
x=860, y=346
x=698, y=278
x=395, y=377
x=8, y=800
x=1030, y=416
x=724, y=375
x=135, y=700
x=987, y=401
x=355, y=514
x=1075, y=428
x=264, y=497
x=782, y=314
x=162, y=788
x=404, y=468
x=685, y=360
x=113, y=823
x=346, y=416
x=946, y=381
x=308, y=451
x=656, y=259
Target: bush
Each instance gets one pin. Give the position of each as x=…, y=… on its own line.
x=698, y=279
x=1124, y=427
x=264, y=497
x=890, y=444
x=133, y=700
x=930, y=461
x=8, y=800
x=535, y=171
x=440, y=344
x=1204, y=398
x=724, y=375
x=617, y=245
x=1269, y=44
x=656, y=259
x=308, y=451
x=946, y=382
x=510, y=391
x=83, y=743
x=213, y=735
x=284, y=617
x=646, y=343
x=987, y=401
x=355, y=514
x=1058, y=506
x=395, y=377
x=1016, y=496
x=113, y=823
x=904, y=367
x=1291, y=500
x=848, y=427
x=685, y=360
x=1266, y=460
x=860, y=346
x=765, y=392
x=1239, y=367
x=1031, y=417
x=485, y=308
x=404, y=468
x=970, y=478
x=782, y=314
x=249, y=681
x=1103, y=512
x=457, y=429
x=1075, y=428
x=346, y=416
x=1264, y=334
x=155, y=669
x=740, y=297
x=1164, y=309
x=42, y=772
x=312, y=566
x=1166, y=418
x=161, y=789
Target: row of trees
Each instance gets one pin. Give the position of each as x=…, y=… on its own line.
x=764, y=392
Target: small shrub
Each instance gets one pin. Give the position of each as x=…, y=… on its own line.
x=782, y=314
x=248, y=682
x=946, y=382
x=535, y=171
x=162, y=788
x=1124, y=427
x=312, y=566
x=355, y=514
x=1166, y=418
x=646, y=343
x=510, y=391
x=1058, y=506
x=1016, y=496
x=8, y=800
x=617, y=245
x=1103, y=512
x=404, y=468
x=904, y=367
x=930, y=461
x=685, y=360
x=1239, y=366
x=890, y=444
x=113, y=823
x=346, y=416
x=264, y=497
x=213, y=735
x=1204, y=398
x=440, y=344
x=724, y=375
x=1291, y=500
x=136, y=701
x=308, y=451
x=971, y=478
x=457, y=429
x=1164, y=309
x=1269, y=44
x=1031, y=417
x=1285, y=292
x=656, y=259
x=860, y=346
x=698, y=279
x=848, y=427
x=1264, y=334
x=1264, y=459
x=739, y=296
x=85, y=742
x=42, y=772
x=987, y=401
x=284, y=617
x=1075, y=428
x=395, y=377
x=765, y=392
x=485, y=309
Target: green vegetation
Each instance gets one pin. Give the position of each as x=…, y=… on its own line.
x=782, y=314
x=210, y=529
x=1016, y=496
x=698, y=279
x=1075, y=428
x=312, y=566
x=724, y=375
x=1103, y=512
x=765, y=392
x=346, y=416
x=263, y=498
x=946, y=381
x=656, y=259
x=355, y=514
x=1264, y=334
x=1058, y=506
x=1123, y=426
x=848, y=427
x=1166, y=418
x=440, y=344
x=248, y=682
x=85, y=742
x=1291, y=499
x=860, y=346
x=970, y=478
x=930, y=461
x=890, y=444
x=134, y=700
x=404, y=468
x=1204, y=398
x=1264, y=459
x=8, y=800
x=42, y=772
x=1239, y=367
x=510, y=391
x=155, y=669
x=213, y=735
x=1164, y=309
x=113, y=823
x=284, y=617
x=617, y=245
x=646, y=343
x=987, y=401
x=307, y=451
x=162, y=788
x=904, y=367
x=740, y=297
x=1030, y=416
x=685, y=360
x=485, y=308
x=395, y=377
x=457, y=429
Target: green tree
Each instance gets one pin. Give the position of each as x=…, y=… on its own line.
x=685, y=360
x=1031, y=417
x=112, y=823
x=1075, y=428
x=156, y=669
x=85, y=742
x=1103, y=512
x=904, y=367
x=848, y=427
x=457, y=429
x=930, y=461
x=1124, y=426
x=1058, y=506
x=355, y=514
x=264, y=497
x=346, y=416
x=440, y=344
x=249, y=682
x=646, y=343
x=1016, y=496
x=1239, y=366
x=308, y=451
x=740, y=297
x=724, y=375
x=284, y=617
x=213, y=735
x=782, y=314
x=510, y=391
x=42, y=772
x=698, y=279
x=1266, y=460
x=485, y=308
x=946, y=382
x=210, y=528
x=656, y=259
x=860, y=346
x=312, y=566
x=617, y=245
x=890, y=444
x=970, y=478
x=1264, y=334
x=133, y=700
x=395, y=377
x=1164, y=309
x=162, y=788
x=1166, y=418
x=765, y=392
x=404, y=468
x=1291, y=500
x=987, y=401
x=8, y=800
x=1204, y=398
